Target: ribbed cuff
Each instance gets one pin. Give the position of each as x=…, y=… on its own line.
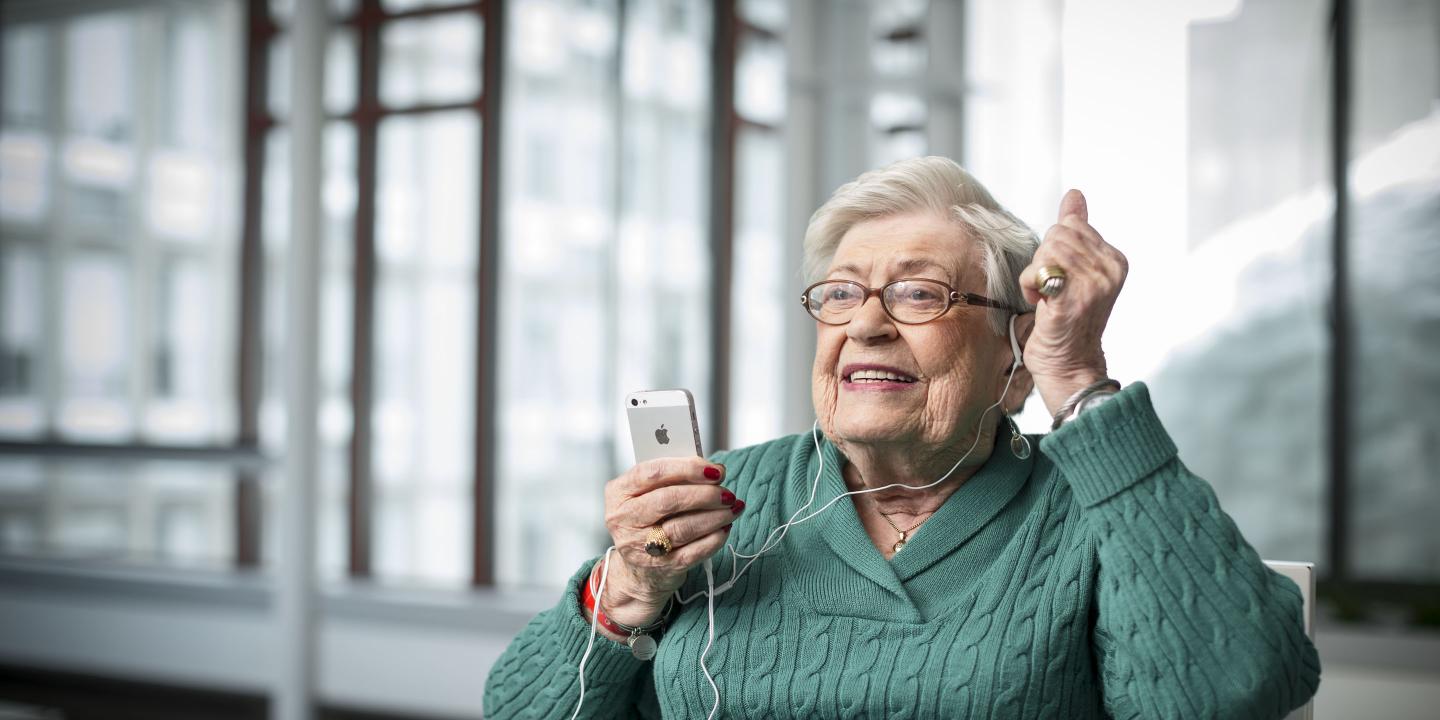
x=1108, y=448
x=609, y=661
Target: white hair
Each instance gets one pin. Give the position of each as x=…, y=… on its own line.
x=941, y=186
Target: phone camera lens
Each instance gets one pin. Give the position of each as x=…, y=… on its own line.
x=634, y=402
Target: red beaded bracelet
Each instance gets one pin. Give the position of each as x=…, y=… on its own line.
x=641, y=644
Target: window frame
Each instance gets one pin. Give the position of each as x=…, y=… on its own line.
x=368, y=21
x=1338, y=585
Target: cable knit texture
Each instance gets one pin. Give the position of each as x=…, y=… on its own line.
x=1099, y=578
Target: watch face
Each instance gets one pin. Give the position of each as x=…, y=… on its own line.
x=642, y=647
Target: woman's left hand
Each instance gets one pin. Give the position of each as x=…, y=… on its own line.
x=1063, y=351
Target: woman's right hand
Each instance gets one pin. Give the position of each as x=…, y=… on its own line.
x=684, y=497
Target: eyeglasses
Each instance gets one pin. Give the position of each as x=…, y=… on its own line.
x=909, y=301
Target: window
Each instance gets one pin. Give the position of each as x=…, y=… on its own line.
x=509, y=248
x=1394, y=195
x=402, y=199
x=603, y=282
x=759, y=283
x=1205, y=139
x=119, y=230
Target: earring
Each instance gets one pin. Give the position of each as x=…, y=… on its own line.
x=1019, y=444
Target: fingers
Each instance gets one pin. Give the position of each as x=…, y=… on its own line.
x=685, y=529
x=1074, y=204
x=652, y=474
x=652, y=507
x=1073, y=244
x=693, y=553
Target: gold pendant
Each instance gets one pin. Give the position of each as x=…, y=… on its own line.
x=899, y=546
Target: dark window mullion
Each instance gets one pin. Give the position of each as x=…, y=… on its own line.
x=486, y=296
x=367, y=117
x=248, y=500
x=723, y=122
x=1338, y=431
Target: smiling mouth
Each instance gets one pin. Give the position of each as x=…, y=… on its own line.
x=877, y=376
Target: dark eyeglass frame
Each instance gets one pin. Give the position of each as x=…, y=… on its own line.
x=953, y=297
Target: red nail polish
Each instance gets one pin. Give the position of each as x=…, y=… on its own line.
x=727, y=497
x=712, y=472
x=737, y=507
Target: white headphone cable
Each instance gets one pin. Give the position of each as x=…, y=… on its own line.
x=771, y=541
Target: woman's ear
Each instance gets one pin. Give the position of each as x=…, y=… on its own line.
x=1021, y=385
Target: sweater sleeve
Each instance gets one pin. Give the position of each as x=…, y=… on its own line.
x=538, y=674
x=1190, y=622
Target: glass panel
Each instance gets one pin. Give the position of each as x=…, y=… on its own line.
x=760, y=91
x=100, y=89
x=275, y=232
x=337, y=325
x=25, y=157
x=342, y=60
x=188, y=363
x=175, y=514
x=1012, y=119
x=760, y=290
x=1182, y=114
x=431, y=60
x=424, y=415
x=26, y=51
x=557, y=404
x=403, y=5
x=277, y=82
x=184, y=192
x=99, y=158
x=192, y=97
x=1395, y=302
x=21, y=316
x=897, y=122
x=897, y=37
x=97, y=333
x=771, y=15
x=282, y=10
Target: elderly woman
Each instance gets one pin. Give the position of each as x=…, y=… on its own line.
x=961, y=574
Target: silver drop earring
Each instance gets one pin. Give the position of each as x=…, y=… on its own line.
x=1019, y=444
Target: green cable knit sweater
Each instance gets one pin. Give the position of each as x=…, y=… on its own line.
x=1098, y=578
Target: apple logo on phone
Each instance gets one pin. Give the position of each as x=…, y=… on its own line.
x=662, y=435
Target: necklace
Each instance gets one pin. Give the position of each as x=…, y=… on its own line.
x=904, y=534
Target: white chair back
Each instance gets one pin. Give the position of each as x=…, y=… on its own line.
x=1303, y=573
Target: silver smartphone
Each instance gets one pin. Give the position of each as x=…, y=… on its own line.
x=662, y=424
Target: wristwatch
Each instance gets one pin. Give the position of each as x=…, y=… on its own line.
x=1093, y=395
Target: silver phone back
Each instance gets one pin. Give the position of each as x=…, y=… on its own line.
x=667, y=431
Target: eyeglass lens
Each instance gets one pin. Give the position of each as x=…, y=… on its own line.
x=906, y=300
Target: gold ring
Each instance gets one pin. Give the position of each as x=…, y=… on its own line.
x=657, y=543
x=1050, y=279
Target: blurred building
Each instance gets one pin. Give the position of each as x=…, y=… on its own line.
x=532, y=207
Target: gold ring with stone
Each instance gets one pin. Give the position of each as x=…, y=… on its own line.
x=657, y=543
x=1050, y=279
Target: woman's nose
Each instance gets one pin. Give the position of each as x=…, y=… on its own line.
x=871, y=322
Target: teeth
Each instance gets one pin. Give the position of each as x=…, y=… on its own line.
x=879, y=376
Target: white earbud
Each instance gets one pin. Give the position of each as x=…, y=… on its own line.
x=1015, y=346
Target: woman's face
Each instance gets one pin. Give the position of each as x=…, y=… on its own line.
x=950, y=369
